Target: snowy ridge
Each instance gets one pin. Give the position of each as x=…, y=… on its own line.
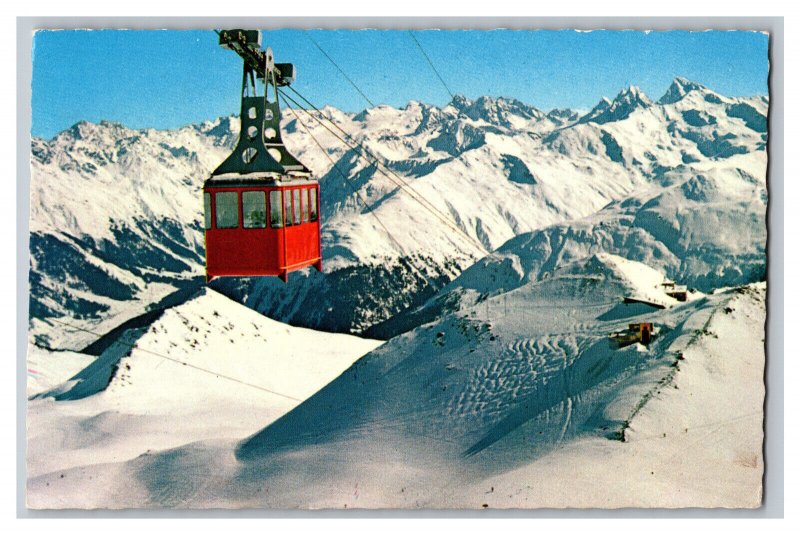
x=114, y=223
x=215, y=333
x=625, y=103
x=678, y=89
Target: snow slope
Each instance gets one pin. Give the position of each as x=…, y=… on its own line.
x=48, y=369
x=515, y=400
x=696, y=443
x=703, y=226
x=207, y=369
x=115, y=212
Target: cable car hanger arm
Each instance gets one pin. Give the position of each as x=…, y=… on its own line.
x=260, y=149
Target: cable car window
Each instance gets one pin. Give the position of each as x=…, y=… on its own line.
x=304, y=203
x=312, y=197
x=254, y=209
x=287, y=204
x=227, y=204
x=296, y=206
x=275, y=209
x=207, y=207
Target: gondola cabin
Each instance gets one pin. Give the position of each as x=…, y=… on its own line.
x=261, y=227
x=262, y=210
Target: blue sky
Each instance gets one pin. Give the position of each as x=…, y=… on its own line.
x=165, y=79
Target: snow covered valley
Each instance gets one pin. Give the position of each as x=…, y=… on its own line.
x=519, y=400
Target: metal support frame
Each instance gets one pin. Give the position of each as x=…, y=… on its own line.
x=260, y=148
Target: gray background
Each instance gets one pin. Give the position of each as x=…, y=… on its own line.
x=773, y=506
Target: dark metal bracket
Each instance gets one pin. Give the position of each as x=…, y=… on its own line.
x=260, y=148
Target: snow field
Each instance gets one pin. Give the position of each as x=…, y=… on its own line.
x=491, y=405
x=208, y=369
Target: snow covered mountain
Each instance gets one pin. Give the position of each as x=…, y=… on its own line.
x=702, y=226
x=517, y=400
x=115, y=212
x=628, y=101
x=114, y=222
x=498, y=386
x=206, y=369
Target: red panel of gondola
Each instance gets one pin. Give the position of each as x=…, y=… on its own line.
x=266, y=230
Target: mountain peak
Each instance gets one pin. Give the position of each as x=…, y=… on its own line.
x=626, y=102
x=495, y=111
x=679, y=88
x=221, y=128
x=632, y=95
x=561, y=112
x=111, y=124
x=460, y=102
x=81, y=130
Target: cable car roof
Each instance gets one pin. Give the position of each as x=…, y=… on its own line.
x=253, y=179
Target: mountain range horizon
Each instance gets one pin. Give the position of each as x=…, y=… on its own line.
x=679, y=87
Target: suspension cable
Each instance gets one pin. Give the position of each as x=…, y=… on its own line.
x=355, y=143
x=418, y=197
x=403, y=184
x=338, y=68
x=439, y=76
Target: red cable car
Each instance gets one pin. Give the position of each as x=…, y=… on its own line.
x=261, y=204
